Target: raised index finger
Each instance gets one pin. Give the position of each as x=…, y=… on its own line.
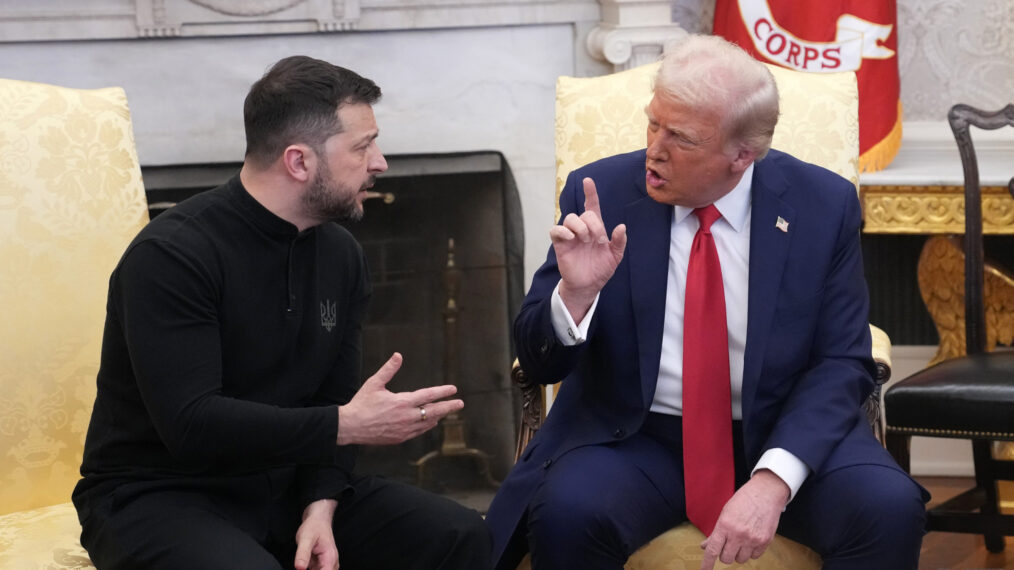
x=591, y=197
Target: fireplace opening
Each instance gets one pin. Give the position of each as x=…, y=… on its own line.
x=444, y=241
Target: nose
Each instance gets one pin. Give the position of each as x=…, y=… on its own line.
x=377, y=163
x=656, y=150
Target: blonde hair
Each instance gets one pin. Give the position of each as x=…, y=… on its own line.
x=708, y=72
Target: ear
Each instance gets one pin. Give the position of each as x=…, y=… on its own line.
x=299, y=162
x=742, y=160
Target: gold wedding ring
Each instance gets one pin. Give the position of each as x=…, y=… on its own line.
x=422, y=413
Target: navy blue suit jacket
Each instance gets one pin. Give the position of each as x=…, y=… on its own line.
x=808, y=365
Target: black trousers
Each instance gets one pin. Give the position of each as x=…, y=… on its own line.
x=250, y=523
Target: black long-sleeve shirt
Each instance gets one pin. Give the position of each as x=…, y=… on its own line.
x=230, y=338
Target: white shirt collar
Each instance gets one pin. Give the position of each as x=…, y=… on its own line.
x=734, y=206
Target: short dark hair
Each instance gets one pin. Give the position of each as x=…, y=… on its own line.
x=297, y=102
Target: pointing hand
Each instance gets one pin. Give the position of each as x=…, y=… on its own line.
x=585, y=254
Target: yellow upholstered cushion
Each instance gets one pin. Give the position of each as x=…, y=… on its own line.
x=42, y=539
x=71, y=198
x=598, y=117
x=680, y=549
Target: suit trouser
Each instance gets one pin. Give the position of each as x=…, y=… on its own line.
x=251, y=524
x=599, y=504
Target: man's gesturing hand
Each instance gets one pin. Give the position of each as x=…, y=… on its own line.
x=748, y=521
x=377, y=416
x=585, y=255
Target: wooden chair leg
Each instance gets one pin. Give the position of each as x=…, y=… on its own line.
x=898, y=445
x=985, y=479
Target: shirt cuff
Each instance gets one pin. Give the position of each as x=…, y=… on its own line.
x=568, y=333
x=786, y=466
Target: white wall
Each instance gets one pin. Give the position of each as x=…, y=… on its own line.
x=444, y=91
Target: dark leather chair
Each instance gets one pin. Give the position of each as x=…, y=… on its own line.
x=972, y=396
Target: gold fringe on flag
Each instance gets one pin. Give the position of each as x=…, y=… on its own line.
x=882, y=153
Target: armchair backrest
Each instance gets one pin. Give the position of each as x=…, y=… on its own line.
x=71, y=198
x=598, y=117
x=960, y=118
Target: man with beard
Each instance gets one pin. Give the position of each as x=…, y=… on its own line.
x=229, y=404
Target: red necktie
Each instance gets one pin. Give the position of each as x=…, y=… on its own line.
x=707, y=402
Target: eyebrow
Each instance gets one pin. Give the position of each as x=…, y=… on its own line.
x=694, y=138
x=652, y=119
x=368, y=137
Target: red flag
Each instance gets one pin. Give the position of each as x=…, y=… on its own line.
x=829, y=36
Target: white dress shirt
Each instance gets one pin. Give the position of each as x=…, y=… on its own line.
x=732, y=239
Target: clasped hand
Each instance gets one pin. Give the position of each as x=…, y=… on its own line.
x=377, y=416
x=585, y=254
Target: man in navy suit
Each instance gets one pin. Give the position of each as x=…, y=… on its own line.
x=605, y=314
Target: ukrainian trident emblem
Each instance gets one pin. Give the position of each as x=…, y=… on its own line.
x=328, y=315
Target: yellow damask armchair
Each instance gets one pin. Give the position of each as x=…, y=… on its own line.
x=601, y=116
x=71, y=198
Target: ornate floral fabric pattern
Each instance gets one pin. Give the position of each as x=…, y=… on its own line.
x=601, y=116
x=680, y=549
x=71, y=198
x=42, y=539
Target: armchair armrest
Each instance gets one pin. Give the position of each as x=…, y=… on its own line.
x=531, y=408
x=881, y=355
x=873, y=406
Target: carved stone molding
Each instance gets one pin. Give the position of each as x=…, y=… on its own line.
x=247, y=8
x=932, y=209
x=33, y=21
x=168, y=18
x=630, y=33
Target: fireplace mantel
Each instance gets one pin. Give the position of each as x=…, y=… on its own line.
x=624, y=33
x=30, y=20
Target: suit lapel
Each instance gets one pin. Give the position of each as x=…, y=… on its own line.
x=648, y=230
x=769, y=247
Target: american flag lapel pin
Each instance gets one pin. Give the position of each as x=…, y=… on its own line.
x=782, y=224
